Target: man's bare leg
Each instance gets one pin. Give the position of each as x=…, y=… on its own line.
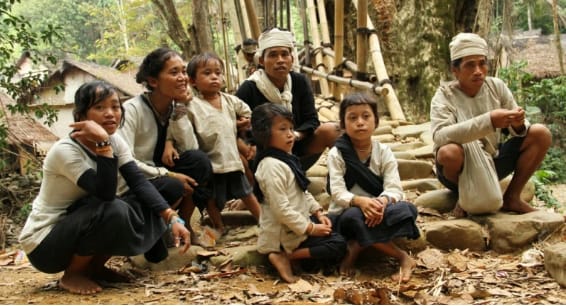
x=533, y=150
x=252, y=204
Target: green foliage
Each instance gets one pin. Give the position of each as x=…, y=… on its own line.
x=540, y=179
x=541, y=15
x=17, y=33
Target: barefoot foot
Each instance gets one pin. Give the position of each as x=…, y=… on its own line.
x=407, y=265
x=283, y=266
x=518, y=206
x=78, y=283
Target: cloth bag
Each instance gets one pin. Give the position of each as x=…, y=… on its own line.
x=478, y=185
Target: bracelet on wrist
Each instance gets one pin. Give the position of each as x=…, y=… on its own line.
x=309, y=233
x=175, y=219
x=102, y=144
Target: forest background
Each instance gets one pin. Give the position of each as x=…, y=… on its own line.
x=413, y=34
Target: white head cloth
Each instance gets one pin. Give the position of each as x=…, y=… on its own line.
x=466, y=44
x=275, y=38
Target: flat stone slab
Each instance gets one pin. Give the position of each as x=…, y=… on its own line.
x=555, y=262
x=414, y=169
x=455, y=234
x=511, y=232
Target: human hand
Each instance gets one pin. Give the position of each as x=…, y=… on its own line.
x=243, y=123
x=169, y=154
x=89, y=130
x=181, y=234
x=188, y=182
x=502, y=118
x=246, y=150
x=323, y=219
x=372, y=209
x=320, y=230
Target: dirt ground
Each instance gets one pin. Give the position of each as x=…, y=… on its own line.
x=458, y=277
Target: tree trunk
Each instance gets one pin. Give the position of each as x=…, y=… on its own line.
x=175, y=28
x=415, y=35
x=200, y=28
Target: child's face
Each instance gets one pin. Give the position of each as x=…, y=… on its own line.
x=360, y=122
x=282, y=137
x=107, y=113
x=209, y=77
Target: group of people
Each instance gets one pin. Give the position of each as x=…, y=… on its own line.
x=128, y=172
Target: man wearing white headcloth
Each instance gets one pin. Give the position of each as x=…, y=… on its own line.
x=277, y=83
x=477, y=113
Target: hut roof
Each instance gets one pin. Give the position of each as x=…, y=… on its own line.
x=25, y=130
x=540, y=53
x=124, y=81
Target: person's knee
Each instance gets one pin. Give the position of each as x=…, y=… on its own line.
x=450, y=156
x=540, y=136
x=328, y=132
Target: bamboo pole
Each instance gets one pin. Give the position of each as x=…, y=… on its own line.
x=557, y=35
x=252, y=18
x=306, y=42
x=237, y=25
x=246, y=27
x=361, y=40
x=328, y=61
x=391, y=100
x=338, y=43
x=226, y=55
x=316, y=44
x=378, y=90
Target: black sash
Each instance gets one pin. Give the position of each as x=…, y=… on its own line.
x=356, y=171
x=161, y=135
x=291, y=160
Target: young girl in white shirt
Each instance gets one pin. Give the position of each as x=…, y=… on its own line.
x=292, y=224
x=367, y=199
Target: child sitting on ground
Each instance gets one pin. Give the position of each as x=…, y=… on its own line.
x=364, y=182
x=216, y=117
x=292, y=223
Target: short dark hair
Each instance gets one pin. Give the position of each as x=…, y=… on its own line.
x=262, y=120
x=91, y=93
x=153, y=63
x=250, y=42
x=357, y=98
x=201, y=60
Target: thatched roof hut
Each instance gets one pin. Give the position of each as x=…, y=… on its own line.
x=540, y=53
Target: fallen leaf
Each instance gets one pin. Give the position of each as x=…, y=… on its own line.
x=300, y=286
x=457, y=262
x=430, y=259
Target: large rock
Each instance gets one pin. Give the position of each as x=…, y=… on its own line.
x=414, y=169
x=511, y=232
x=412, y=130
x=423, y=152
x=408, y=146
x=404, y=155
x=243, y=256
x=383, y=129
x=317, y=185
x=422, y=185
x=442, y=200
x=455, y=234
x=385, y=138
x=555, y=262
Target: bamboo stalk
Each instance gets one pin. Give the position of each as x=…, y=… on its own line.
x=252, y=18
x=316, y=44
x=226, y=55
x=378, y=90
x=557, y=34
x=391, y=100
x=237, y=25
x=328, y=61
x=338, y=43
x=246, y=27
x=361, y=39
x=302, y=13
